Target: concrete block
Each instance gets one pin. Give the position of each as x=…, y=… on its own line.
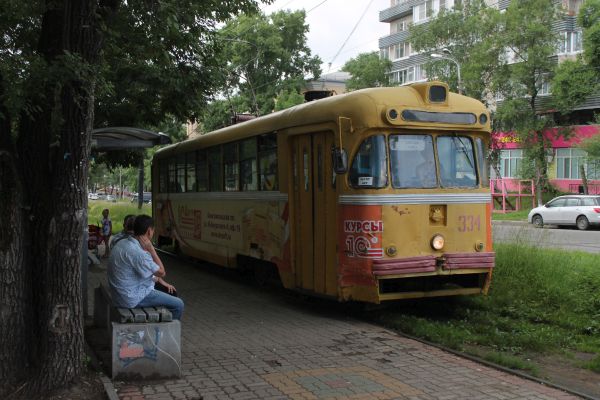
x=151, y=314
x=122, y=315
x=139, y=315
x=165, y=315
x=146, y=351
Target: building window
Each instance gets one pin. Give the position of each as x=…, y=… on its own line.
x=400, y=77
x=422, y=12
x=592, y=169
x=567, y=163
x=410, y=75
x=543, y=86
x=420, y=72
x=510, y=162
x=399, y=25
x=570, y=42
x=384, y=53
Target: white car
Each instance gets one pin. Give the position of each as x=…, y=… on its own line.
x=579, y=210
x=93, y=196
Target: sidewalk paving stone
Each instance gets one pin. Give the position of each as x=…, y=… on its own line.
x=241, y=343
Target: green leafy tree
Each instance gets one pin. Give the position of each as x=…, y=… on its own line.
x=505, y=53
x=367, y=70
x=576, y=80
x=470, y=31
x=528, y=34
x=287, y=98
x=64, y=63
x=263, y=56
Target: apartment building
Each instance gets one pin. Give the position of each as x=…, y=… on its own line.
x=565, y=158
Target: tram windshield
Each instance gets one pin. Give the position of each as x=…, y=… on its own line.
x=369, y=167
x=413, y=162
x=457, y=161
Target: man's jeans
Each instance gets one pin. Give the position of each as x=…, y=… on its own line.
x=156, y=298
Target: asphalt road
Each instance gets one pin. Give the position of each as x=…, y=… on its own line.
x=549, y=236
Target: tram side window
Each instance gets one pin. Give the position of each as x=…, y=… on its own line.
x=201, y=171
x=457, y=161
x=181, y=172
x=172, y=175
x=482, y=158
x=369, y=166
x=231, y=167
x=267, y=155
x=248, y=170
x=163, y=176
x=412, y=161
x=190, y=159
x=214, y=169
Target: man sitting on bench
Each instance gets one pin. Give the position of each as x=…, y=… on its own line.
x=132, y=268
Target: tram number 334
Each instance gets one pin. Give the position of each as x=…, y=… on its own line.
x=469, y=223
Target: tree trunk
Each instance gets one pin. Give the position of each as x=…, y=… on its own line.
x=584, y=181
x=40, y=261
x=15, y=302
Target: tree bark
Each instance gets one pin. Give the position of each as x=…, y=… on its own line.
x=40, y=286
x=584, y=181
x=15, y=303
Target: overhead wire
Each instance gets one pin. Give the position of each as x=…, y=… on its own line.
x=324, y=1
x=351, y=32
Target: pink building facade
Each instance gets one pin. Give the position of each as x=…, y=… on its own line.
x=565, y=160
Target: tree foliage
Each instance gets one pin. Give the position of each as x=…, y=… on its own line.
x=470, y=31
x=262, y=57
x=367, y=70
x=576, y=80
x=67, y=66
x=502, y=54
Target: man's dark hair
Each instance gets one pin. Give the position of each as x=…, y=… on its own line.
x=141, y=224
x=128, y=223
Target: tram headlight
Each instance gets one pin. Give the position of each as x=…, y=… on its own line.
x=437, y=242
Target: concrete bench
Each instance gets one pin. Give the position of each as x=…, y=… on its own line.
x=145, y=343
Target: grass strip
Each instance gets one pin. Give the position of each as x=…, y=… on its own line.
x=117, y=212
x=541, y=302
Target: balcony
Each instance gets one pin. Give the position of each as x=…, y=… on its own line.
x=400, y=10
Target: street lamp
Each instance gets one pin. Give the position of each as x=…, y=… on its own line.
x=445, y=57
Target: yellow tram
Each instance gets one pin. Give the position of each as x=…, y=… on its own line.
x=375, y=195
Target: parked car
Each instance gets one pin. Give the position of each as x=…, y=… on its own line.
x=110, y=197
x=146, y=199
x=92, y=196
x=581, y=211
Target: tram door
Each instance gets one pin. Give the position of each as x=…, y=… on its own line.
x=314, y=213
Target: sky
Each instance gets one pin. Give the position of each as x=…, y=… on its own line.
x=331, y=23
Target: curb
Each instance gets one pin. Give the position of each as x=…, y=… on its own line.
x=109, y=388
x=515, y=223
x=490, y=364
